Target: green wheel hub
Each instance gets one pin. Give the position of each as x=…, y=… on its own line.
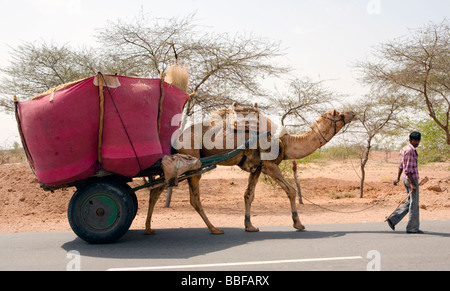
x=100, y=211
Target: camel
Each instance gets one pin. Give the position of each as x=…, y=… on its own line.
x=289, y=147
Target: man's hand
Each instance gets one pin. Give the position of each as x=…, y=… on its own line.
x=411, y=183
x=396, y=182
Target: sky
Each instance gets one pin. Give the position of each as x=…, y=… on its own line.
x=322, y=38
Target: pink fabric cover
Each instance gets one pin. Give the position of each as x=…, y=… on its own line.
x=61, y=133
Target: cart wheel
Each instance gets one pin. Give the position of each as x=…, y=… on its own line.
x=101, y=212
x=133, y=197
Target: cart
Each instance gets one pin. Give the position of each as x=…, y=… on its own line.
x=96, y=135
x=104, y=206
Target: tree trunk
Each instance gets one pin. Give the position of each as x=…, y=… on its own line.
x=361, y=186
x=364, y=160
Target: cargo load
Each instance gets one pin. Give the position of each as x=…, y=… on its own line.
x=118, y=124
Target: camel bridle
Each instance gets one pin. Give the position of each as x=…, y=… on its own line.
x=335, y=121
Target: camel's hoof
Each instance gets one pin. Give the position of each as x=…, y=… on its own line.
x=149, y=232
x=216, y=231
x=299, y=227
x=251, y=229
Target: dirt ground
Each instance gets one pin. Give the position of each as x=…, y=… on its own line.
x=25, y=207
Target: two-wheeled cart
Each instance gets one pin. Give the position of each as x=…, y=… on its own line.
x=96, y=135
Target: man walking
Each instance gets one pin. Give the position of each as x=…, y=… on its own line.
x=408, y=165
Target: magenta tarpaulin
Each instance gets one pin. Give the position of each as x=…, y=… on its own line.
x=61, y=129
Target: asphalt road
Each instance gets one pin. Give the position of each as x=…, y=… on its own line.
x=358, y=247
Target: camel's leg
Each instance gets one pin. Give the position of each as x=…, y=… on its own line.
x=274, y=172
x=154, y=195
x=194, y=190
x=249, y=196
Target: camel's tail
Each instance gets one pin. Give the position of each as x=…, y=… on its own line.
x=178, y=76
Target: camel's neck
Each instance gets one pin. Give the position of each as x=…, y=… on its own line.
x=300, y=146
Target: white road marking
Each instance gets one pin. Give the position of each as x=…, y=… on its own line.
x=234, y=264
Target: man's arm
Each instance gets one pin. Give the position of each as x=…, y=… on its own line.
x=413, y=186
x=400, y=171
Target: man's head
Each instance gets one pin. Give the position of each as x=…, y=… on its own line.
x=414, y=138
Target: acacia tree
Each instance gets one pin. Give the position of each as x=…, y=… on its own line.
x=38, y=67
x=223, y=68
x=378, y=115
x=303, y=97
x=418, y=65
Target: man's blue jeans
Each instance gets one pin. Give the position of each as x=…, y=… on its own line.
x=411, y=206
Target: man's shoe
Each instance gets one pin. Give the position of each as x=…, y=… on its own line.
x=418, y=231
x=391, y=225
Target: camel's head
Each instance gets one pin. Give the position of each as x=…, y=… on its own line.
x=343, y=117
x=349, y=116
x=339, y=119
